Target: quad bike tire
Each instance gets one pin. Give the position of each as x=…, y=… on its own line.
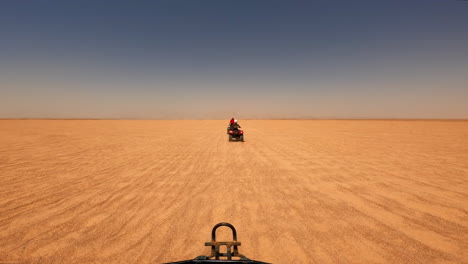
x=230, y=137
x=242, y=138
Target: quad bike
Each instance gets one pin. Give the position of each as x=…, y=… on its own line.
x=215, y=256
x=236, y=134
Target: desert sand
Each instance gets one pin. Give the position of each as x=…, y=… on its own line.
x=298, y=191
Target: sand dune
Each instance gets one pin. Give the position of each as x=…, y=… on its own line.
x=297, y=191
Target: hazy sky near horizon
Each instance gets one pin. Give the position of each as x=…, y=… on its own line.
x=248, y=59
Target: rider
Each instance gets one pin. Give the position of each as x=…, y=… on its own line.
x=231, y=121
x=235, y=125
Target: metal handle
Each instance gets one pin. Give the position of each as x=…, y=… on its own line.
x=213, y=232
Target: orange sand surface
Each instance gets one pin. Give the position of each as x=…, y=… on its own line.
x=316, y=191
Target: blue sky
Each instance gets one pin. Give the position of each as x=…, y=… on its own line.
x=250, y=59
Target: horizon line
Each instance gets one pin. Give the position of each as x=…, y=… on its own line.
x=194, y=119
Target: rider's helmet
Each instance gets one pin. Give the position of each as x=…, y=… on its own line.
x=235, y=121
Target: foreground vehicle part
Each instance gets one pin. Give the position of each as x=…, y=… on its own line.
x=215, y=256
